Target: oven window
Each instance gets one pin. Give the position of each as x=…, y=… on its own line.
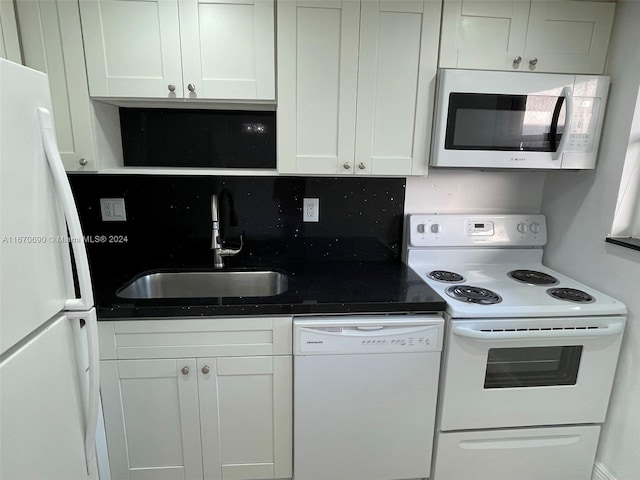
x=504, y=122
x=532, y=366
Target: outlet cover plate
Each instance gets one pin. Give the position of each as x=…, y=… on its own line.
x=112, y=210
x=311, y=210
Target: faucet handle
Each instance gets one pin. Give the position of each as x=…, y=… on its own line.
x=228, y=252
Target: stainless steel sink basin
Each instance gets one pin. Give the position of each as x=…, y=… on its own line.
x=204, y=284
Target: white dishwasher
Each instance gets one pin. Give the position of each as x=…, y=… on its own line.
x=364, y=396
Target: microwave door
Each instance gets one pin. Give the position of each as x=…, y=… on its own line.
x=496, y=122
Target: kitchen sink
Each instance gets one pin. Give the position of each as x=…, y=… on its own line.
x=205, y=284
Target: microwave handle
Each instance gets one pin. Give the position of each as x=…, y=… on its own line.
x=568, y=124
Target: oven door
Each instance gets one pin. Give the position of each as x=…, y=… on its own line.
x=524, y=372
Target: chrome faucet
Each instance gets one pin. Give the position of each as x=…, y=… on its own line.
x=216, y=242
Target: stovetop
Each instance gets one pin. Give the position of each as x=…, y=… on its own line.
x=476, y=278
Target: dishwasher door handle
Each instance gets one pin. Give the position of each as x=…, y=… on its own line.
x=363, y=330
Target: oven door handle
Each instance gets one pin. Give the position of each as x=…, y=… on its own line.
x=609, y=330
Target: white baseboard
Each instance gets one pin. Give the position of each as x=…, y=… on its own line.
x=601, y=473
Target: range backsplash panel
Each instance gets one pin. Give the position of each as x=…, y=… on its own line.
x=169, y=220
x=157, y=137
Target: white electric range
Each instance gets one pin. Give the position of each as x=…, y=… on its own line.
x=530, y=354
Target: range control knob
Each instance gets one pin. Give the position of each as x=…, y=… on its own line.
x=535, y=227
x=435, y=228
x=421, y=228
x=522, y=227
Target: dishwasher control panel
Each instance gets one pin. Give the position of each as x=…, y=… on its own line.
x=317, y=337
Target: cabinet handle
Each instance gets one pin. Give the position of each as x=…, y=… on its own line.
x=83, y=161
x=205, y=369
x=362, y=166
x=517, y=60
x=185, y=370
x=346, y=165
x=191, y=87
x=171, y=87
x=533, y=62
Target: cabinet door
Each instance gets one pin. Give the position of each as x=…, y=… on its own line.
x=317, y=77
x=9, y=42
x=484, y=34
x=52, y=43
x=228, y=49
x=151, y=419
x=396, y=76
x=569, y=37
x=132, y=48
x=245, y=413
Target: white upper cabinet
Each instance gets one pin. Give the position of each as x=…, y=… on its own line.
x=52, y=43
x=185, y=49
x=228, y=48
x=132, y=48
x=569, y=36
x=9, y=41
x=355, y=86
x=519, y=35
x=483, y=34
x=317, y=82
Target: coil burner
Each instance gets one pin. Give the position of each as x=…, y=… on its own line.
x=470, y=294
x=444, y=276
x=533, y=277
x=571, y=295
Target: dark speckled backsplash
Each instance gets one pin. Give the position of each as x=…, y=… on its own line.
x=169, y=220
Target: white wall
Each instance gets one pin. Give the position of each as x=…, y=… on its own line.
x=579, y=207
x=472, y=191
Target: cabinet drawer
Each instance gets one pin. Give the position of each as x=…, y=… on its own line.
x=195, y=337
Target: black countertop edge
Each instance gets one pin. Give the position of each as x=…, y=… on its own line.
x=128, y=313
x=628, y=242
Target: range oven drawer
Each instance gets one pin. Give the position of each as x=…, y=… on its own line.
x=527, y=372
x=558, y=453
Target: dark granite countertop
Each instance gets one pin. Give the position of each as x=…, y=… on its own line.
x=314, y=288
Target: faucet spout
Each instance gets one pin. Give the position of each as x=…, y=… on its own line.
x=219, y=252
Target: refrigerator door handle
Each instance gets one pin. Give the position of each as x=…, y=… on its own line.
x=63, y=187
x=93, y=404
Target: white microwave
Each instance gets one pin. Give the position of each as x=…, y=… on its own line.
x=488, y=119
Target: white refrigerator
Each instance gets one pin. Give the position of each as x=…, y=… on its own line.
x=48, y=337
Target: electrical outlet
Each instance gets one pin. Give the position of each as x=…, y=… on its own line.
x=112, y=210
x=310, y=210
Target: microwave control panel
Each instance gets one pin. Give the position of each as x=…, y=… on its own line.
x=583, y=126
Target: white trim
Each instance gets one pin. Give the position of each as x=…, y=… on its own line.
x=601, y=473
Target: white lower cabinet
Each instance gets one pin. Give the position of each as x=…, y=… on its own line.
x=198, y=417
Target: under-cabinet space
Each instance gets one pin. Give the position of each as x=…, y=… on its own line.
x=165, y=137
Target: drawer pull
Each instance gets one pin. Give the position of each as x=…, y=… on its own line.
x=185, y=370
x=205, y=369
